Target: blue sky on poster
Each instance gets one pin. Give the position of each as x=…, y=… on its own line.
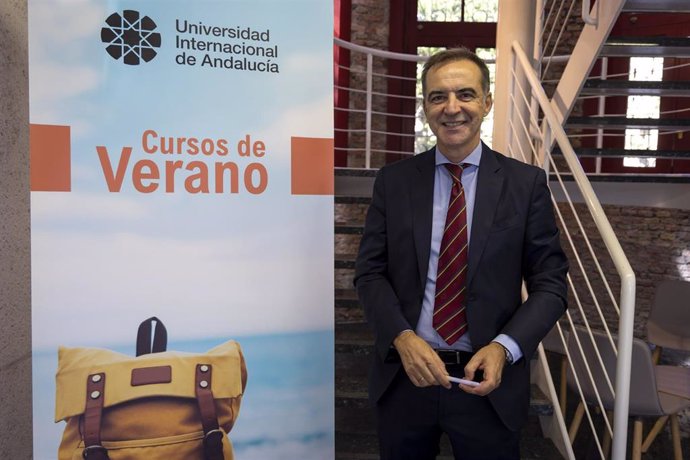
x=211, y=265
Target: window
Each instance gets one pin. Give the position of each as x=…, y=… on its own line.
x=457, y=11
x=643, y=69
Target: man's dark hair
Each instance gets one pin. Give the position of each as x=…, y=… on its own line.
x=456, y=54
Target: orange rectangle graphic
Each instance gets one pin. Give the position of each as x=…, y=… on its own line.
x=312, y=166
x=49, y=156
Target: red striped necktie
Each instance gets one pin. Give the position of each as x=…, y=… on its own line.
x=450, y=320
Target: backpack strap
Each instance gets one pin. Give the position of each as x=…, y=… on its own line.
x=160, y=337
x=95, y=387
x=213, y=435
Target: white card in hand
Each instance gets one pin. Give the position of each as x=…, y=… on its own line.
x=463, y=381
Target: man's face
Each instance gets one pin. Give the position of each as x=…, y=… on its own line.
x=455, y=106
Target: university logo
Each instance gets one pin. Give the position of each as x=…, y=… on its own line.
x=131, y=37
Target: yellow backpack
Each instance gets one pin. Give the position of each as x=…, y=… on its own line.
x=159, y=405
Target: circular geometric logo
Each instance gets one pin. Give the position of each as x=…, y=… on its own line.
x=131, y=37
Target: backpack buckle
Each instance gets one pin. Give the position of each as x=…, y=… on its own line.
x=213, y=436
x=96, y=452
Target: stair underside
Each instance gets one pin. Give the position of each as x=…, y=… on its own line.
x=656, y=6
x=636, y=88
x=625, y=123
x=620, y=153
x=646, y=47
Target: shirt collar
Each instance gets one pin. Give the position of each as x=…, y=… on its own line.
x=473, y=158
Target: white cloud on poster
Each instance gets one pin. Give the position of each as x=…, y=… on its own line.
x=65, y=20
x=113, y=280
x=301, y=63
x=313, y=119
x=56, y=75
x=47, y=207
x=51, y=81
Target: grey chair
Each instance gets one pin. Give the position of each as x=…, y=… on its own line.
x=655, y=391
x=668, y=325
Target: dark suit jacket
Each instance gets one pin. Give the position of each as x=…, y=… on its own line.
x=514, y=236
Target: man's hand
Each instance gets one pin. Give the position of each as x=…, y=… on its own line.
x=491, y=360
x=421, y=363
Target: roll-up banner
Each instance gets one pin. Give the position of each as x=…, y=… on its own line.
x=182, y=169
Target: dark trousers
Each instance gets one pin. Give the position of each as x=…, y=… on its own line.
x=410, y=422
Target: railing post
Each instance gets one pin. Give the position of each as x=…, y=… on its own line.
x=511, y=107
x=623, y=365
x=534, y=103
x=370, y=88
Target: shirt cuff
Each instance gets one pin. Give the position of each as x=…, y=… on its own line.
x=509, y=344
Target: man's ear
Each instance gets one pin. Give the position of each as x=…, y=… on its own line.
x=488, y=103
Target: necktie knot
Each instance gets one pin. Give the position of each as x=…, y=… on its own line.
x=455, y=170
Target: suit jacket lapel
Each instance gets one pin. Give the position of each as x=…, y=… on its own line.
x=422, y=214
x=489, y=185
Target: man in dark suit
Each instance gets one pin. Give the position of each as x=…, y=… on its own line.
x=507, y=234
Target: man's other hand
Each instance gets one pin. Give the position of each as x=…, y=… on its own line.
x=421, y=363
x=490, y=359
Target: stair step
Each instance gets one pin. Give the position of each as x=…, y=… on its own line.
x=348, y=199
x=635, y=178
x=348, y=293
x=629, y=88
x=347, y=303
x=365, y=446
x=355, y=172
x=624, y=123
x=646, y=46
x=345, y=261
x=356, y=333
x=619, y=153
x=348, y=310
x=349, y=229
x=656, y=6
x=348, y=314
x=355, y=182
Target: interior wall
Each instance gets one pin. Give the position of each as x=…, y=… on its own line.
x=15, y=257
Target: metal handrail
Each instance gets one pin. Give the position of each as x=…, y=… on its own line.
x=586, y=16
x=620, y=261
x=379, y=53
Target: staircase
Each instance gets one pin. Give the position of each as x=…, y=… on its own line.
x=637, y=30
x=355, y=431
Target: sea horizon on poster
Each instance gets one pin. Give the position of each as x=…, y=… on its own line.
x=167, y=141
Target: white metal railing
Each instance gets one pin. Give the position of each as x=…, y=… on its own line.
x=551, y=129
x=366, y=106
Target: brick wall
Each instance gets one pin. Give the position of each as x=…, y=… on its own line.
x=369, y=28
x=656, y=242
